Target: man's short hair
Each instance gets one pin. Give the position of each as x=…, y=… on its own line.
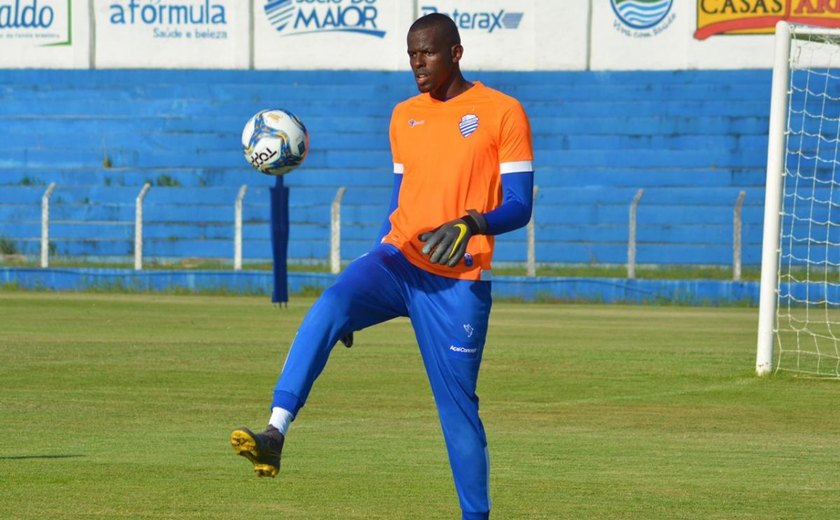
x=442, y=22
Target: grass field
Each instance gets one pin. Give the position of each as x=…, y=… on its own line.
x=643, y=271
x=120, y=406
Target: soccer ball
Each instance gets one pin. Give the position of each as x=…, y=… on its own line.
x=275, y=141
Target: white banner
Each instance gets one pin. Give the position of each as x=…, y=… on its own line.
x=670, y=34
x=331, y=34
x=209, y=34
x=562, y=35
x=44, y=33
x=370, y=34
x=517, y=34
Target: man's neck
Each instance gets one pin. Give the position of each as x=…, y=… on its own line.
x=457, y=87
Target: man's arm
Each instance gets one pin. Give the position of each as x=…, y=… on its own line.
x=395, y=196
x=517, y=171
x=517, y=204
x=447, y=244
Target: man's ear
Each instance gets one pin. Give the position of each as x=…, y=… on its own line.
x=457, y=52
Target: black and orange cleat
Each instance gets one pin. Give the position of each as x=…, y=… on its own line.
x=262, y=449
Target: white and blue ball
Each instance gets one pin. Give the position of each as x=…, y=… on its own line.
x=275, y=141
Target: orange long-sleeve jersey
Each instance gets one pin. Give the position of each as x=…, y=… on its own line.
x=451, y=155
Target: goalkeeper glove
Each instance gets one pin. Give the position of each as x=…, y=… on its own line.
x=448, y=243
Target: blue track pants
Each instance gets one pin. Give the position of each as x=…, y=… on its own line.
x=449, y=318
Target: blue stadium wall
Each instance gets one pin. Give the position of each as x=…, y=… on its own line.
x=692, y=140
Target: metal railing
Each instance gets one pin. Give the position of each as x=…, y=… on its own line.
x=335, y=238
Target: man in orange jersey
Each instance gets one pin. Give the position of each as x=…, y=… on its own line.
x=462, y=173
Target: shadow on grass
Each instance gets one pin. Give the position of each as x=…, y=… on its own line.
x=38, y=457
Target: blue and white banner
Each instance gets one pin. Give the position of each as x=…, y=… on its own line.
x=660, y=34
x=517, y=34
x=331, y=34
x=495, y=33
x=172, y=34
x=371, y=34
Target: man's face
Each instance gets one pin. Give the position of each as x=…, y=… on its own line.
x=432, y=60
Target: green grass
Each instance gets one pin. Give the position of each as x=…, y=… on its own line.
x=120, y=406
x=655, y=272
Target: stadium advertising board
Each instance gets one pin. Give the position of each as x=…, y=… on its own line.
x=370, y=34
x=43, y=33
x=722, y=17
x=171, y=34
x=517, y=34
x=660, y=35
x=330, y=34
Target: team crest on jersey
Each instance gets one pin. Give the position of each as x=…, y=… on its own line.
x=468, y=125
x=468, y=329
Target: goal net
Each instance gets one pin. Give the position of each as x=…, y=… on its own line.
x=799, y=314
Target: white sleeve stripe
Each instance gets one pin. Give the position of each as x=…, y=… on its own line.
x=398, y=168
x=516, y=167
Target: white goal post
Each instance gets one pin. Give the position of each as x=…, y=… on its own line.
x=799, y=304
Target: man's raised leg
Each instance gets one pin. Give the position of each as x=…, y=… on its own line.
x=364, y=294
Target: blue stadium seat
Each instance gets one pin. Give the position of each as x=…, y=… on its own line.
x=691, y=139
